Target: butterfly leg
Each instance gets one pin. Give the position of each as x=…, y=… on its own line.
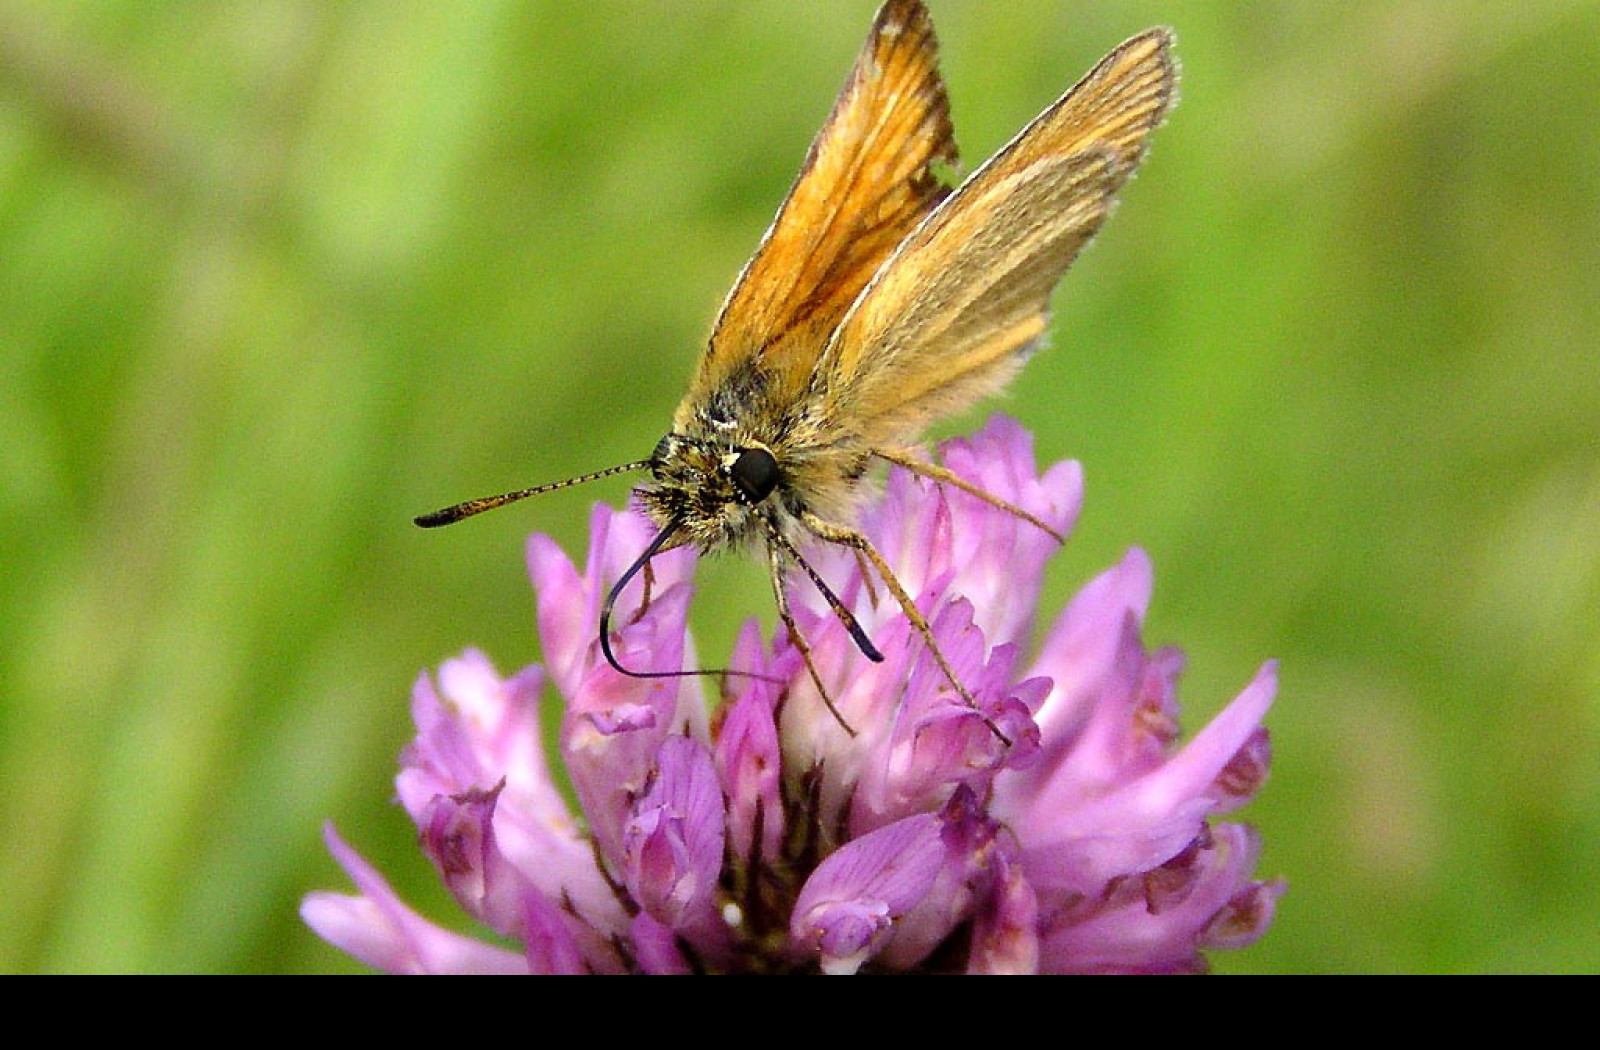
x=944, y=476
x=647, y=576
x=848, y=537
x=866, y=578
x=781, y=599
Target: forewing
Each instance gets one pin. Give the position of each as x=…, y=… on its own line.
x=944, y=323
x=867, y=182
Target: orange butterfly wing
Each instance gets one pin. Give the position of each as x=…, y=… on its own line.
x=949, y=317
x=867, y=182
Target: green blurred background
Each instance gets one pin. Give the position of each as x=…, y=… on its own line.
x=274, y=277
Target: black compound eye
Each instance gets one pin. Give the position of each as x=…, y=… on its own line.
x=754, y=474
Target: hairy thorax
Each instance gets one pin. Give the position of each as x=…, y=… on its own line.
x=721, y=482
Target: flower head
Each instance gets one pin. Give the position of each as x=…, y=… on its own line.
x=1055, y=823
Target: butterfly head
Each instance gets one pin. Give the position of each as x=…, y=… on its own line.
x=711, y=491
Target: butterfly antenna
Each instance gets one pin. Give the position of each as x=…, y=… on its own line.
x=474, y=507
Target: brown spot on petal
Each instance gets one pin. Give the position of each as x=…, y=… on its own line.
x=1170, y=885
x=1246, y=771
x=1244, y=918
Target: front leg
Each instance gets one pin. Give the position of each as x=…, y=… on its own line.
x=776, y=546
